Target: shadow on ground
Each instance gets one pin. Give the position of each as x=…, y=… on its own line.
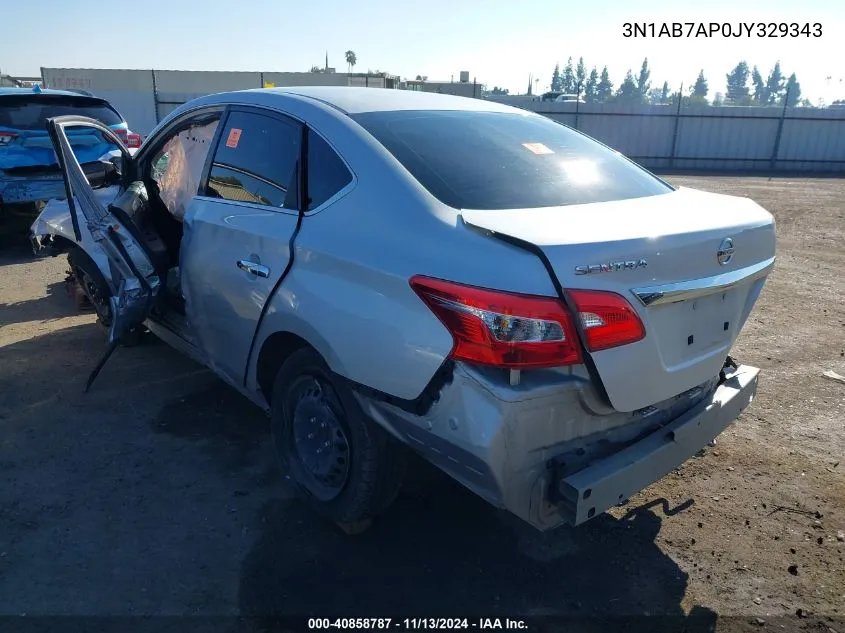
x=195, y=513
x=441, y=551
x=55, y=304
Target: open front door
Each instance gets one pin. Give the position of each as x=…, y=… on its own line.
x=132, y=275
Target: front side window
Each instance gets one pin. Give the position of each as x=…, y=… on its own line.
x=497, y=160
x=256, y=161
x=176, y=168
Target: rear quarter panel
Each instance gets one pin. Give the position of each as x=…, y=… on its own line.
x=348, y=291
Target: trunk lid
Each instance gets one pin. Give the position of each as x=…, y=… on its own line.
x=691, y=263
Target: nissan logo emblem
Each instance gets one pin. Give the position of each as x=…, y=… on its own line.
x=726, y=251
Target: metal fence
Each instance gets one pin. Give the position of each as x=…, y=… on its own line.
x=145, y=97
x=668, y=137
x=717, y=138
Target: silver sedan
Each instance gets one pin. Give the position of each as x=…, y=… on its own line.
x=536, y=315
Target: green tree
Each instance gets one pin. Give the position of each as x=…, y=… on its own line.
x=351, y=59
x=718, y=99
x=604, y=90
x=580, y=76
x=655, y=96
x=759, y=86
x=591, y=86
x=643, y=83
x=628, y=92
x=774, y=86
x=659, y=96
x=793, y=91
x=556, y=80
x=737, y=81
x=568, y=78
x=699, y=89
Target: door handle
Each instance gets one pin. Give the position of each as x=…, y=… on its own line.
x=253, y=269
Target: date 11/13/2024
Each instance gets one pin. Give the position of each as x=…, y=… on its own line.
x=722, y=29
x=416, y=624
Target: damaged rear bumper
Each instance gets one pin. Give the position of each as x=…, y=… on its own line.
x=546, y=450
x=615, y=479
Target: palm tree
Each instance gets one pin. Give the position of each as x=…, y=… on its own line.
x=351, y=59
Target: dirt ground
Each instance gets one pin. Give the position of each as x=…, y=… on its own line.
x=157, y=492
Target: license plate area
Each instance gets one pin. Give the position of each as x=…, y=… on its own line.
x=693, y=329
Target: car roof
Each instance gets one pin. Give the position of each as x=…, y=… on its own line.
x=43, y=91
x=354, y=100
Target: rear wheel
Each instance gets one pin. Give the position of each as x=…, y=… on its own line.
x=343, y=465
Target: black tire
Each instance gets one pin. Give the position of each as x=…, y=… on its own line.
x=357, y=488
x=92, y=283
x=97, y=291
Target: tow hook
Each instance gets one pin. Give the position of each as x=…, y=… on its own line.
x=729, y=362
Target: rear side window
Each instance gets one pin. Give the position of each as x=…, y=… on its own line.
x=327, y=174
x=30, y=112
x=256, y=161
x=494, y=160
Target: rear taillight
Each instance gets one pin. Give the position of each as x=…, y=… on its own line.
x=502, y=329
x=6, y=138
x=133, y=140
x=607, y=318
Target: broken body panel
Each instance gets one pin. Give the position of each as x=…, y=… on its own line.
x=132, y=275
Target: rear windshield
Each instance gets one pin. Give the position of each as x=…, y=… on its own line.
x=30, y=112
x=493, y=160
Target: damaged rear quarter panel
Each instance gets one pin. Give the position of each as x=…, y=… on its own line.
x=507, y=443
x=348, y=295
x=348, y=291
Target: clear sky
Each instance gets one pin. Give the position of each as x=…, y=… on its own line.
x=499, y=41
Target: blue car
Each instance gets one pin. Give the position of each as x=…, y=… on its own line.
x=29, y=172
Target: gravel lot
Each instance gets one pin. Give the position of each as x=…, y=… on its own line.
x=157, y=493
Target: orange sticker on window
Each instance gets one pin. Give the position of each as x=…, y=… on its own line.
x=234, y=137
x=537, y=148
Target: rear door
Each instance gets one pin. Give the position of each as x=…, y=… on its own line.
x=238, y=233
x=135, y=283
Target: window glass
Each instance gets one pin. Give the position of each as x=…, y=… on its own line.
x=236, y=185
x=177, y=167
x=256, y=160
x=327, y=173
x=497, y=160
x=29, y=112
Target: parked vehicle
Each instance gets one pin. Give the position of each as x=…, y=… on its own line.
x=29, y=172
x=560, y=97
x=539, y=317
x=569, y=98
